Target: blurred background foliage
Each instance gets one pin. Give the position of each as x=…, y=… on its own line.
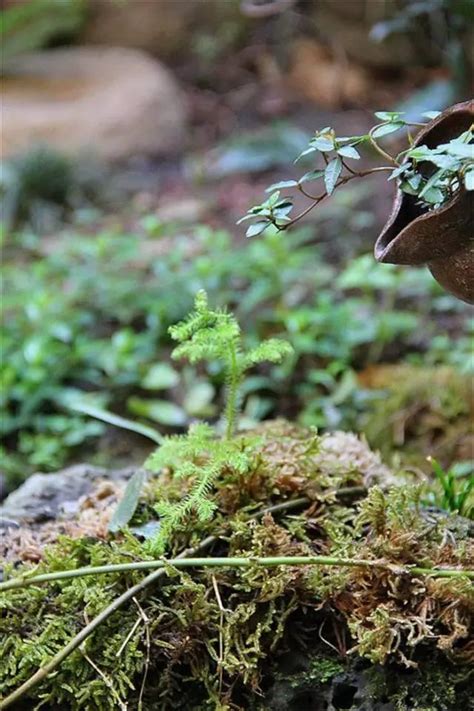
x=100, y=257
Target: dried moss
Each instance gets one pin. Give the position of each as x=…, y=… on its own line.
x=218, y=639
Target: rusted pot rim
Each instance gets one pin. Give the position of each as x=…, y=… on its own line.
x=401, y=249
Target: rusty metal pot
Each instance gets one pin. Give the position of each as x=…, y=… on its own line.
x=441, y=238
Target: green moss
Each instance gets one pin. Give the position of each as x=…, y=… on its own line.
x=211, y=639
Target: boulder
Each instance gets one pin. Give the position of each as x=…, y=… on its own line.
x=50, y=496
x=114, y=103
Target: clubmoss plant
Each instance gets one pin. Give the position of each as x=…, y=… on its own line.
x=208, y=335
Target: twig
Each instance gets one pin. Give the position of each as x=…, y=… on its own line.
x=320, y=198
x=379, y=148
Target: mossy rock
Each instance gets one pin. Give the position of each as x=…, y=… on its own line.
x=315, y=637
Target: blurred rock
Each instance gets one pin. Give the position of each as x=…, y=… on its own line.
x=49, y=496
x=329, y=81
x=116, y=103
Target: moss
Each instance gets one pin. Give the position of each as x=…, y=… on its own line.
x=422, y=411
x=215, y=639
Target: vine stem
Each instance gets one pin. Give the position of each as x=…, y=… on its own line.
x=379, y=148
x=235, y=562
x=319, y=198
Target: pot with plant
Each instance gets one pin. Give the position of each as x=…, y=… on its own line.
x=432, y=215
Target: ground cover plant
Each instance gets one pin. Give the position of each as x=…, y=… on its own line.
x=75, y=323
x=296, y=537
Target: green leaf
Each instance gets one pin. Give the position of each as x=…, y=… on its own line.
x=160, y=377
x=323, y=144
x=281, y=186
x=348, y=152
x=331, y=174
x=431, y=183
x=128, y=503
x=433, y=196
x=109, y=417
x=397, y=172
x=469, y=179
x=312, y=175
x=162, y=411
x=273, y=199
x=459, y=149
x=388, y=115
x=257, y=228
x=305, y=153
x=387, y=128
x=282, y=209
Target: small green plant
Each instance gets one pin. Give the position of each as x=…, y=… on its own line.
x=453, y=162
x=199, y=455
x=454, y=491
x=31, y=25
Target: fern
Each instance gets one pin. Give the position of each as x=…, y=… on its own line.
x=200, y=455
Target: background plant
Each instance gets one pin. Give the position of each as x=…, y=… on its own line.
x=74, y=323
x=454, y=162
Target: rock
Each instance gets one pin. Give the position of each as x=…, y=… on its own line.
x=50, y=496
x=114, y=103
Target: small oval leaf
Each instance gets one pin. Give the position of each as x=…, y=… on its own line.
x=331, y=174
x=256, y=229
x=386, y=129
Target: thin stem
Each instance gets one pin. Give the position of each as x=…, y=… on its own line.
x=303, y=191
x=236, y=562
x=232, y=395
x=323, y=196
x=379, y=149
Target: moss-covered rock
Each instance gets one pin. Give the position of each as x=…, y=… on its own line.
x=290, y=636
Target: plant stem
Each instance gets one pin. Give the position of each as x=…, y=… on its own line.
x=380, y=150
x=236, y=562
x=342, y=181
x=234, y=376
